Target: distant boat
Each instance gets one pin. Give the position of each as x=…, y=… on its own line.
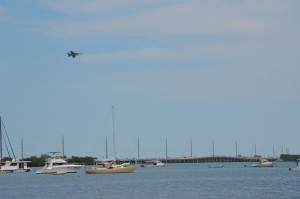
x=263, y=163
x=109, y=167
x=57, y=165
x=153, y=163
x=297, y=168
x=216, y=166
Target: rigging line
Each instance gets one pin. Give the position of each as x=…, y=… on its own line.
x=6, y=148
x=8, y=140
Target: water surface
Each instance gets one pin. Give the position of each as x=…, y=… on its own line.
x=173, y=181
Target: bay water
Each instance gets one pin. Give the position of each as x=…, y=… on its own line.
x=234, y=180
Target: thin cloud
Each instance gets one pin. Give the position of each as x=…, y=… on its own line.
x=3, y=14
x=185, y=18
x=92, y=7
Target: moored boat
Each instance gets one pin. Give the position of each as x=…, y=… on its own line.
x=15, y=166
x=216, y=166
x=57, y=165
x=110, y=167
x=263, y=163
x=153, y=163
x=12, y=165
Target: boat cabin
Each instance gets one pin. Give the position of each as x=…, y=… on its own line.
x=15, y=165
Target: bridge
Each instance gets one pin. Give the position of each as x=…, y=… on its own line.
x=197, y=159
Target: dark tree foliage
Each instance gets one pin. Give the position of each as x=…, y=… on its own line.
x=289, y=157
x=6, y=159
x=40, y=161
x=82, y=160
x=36, y=161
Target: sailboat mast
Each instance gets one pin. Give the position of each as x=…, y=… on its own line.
x=138, y=147
x=63, y=146
x=106, y=155
x=22, y=154
x=113, y=123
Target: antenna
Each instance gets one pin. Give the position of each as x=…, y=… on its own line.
x=22, y=149
x=63, y=146
x=138, y=147
x=166, y=148
x=236, y=149
x=213, y=146
x=113, y=123
x=106, y=155
x=191, y=148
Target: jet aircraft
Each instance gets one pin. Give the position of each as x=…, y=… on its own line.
x=73, y=54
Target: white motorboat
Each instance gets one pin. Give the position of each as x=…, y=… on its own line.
x=297, y=168
x=57, y=165
x=216, y=166
x=263, y=163
x=153, y=163
x=15, y=166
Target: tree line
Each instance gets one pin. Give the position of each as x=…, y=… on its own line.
x=40, y=161
x=289, y=157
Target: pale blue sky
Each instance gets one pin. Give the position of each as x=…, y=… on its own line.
x=220, y=70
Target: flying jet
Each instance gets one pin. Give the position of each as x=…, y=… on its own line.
x=73, y=54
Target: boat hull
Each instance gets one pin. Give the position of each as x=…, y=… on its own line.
x=3, y=172
x=261, y=165
x=95, y=170
x=216, y=166
x=295, y=168
x=60, y=169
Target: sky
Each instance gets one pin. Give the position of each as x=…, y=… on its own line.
x=192, y=71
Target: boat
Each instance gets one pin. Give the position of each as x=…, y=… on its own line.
x=57, y=165
x=216, y=166
x=12, y=165
x=15, y=166
x=153, y=163
x=297, y=168
x=111, y=166
x=263, y=163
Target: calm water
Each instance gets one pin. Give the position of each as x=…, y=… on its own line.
x=173, y=181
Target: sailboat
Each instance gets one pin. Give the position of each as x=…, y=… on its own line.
x=13, y=165
x=110, y=166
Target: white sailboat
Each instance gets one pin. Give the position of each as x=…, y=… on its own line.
x=109, y=167
x=13, y=165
